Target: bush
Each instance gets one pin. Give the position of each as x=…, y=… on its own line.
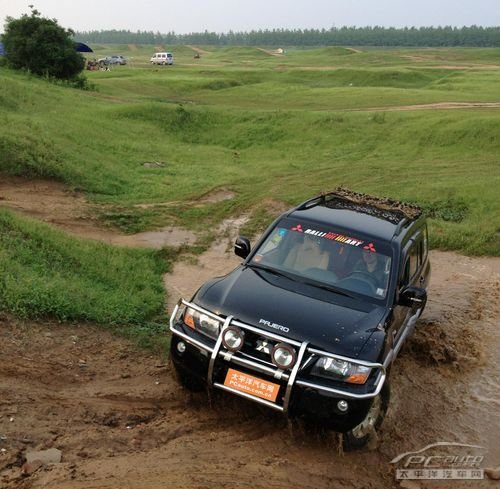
x=42, y=47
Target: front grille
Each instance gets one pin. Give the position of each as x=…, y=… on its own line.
x=258, y=347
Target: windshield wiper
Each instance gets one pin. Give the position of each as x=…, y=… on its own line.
x=319, y=285
x=272, y=270
x=333, y=289
x=300, y=279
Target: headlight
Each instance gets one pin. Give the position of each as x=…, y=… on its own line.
x=202, y=322
x=333, y=368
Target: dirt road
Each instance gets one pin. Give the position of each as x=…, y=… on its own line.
x=121, y=421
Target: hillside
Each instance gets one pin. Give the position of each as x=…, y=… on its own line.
x=116, y=201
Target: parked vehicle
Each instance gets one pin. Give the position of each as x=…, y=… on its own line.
x=114, y=59
x=311, y=321
x=162, y=59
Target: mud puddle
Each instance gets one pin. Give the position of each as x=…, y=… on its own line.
x=191, y=272
x=168, y=236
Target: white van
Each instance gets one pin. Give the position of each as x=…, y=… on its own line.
x=162, y=59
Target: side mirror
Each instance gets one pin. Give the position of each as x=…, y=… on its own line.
x=242, y=247
x=413, y=297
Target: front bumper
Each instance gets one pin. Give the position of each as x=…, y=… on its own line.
x=299, y=394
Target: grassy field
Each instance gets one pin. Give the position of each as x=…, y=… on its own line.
x=46, y=274
x=269, y=128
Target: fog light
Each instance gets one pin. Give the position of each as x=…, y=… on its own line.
x=181, y=347
x=284, y=356
x=232, y=338
x=343, y=406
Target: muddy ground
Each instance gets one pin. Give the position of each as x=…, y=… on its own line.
x=120, y=419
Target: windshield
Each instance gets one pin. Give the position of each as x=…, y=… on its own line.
x=327, y=257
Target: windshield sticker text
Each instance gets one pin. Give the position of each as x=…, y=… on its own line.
x=335, y=237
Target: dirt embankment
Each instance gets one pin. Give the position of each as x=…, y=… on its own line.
x=120, y=419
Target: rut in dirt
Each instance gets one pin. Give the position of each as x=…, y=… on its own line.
x=120, y=418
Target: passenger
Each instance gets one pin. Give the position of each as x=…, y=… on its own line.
x=308, y=254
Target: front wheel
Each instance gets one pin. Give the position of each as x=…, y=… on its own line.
x=361, y=434
x=186, y=379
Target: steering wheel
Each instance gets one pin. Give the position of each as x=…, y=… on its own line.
x=365, y=278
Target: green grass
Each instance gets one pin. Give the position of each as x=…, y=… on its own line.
x=44, y=273
x=269, y=128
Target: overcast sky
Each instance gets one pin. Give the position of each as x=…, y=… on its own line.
x=183, y=16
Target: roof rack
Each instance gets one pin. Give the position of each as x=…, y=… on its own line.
x=385, y=208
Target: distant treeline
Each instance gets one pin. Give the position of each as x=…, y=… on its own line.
x=354, y=36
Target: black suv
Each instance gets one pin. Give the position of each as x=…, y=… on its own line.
x=311, y=321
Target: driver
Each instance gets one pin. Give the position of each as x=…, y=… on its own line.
x=372, y=265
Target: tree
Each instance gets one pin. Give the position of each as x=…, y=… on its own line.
x=41, y=46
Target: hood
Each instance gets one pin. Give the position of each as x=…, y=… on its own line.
x=298, y=311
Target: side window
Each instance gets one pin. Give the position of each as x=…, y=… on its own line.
x=414, y=259
x=405, y=276
x=425, y=244
x=422, y=247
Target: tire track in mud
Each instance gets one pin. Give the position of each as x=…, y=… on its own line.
x=121, y=420
x=54, y=203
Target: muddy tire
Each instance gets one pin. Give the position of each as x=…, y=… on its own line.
x=359, y=436
x=187, y=380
